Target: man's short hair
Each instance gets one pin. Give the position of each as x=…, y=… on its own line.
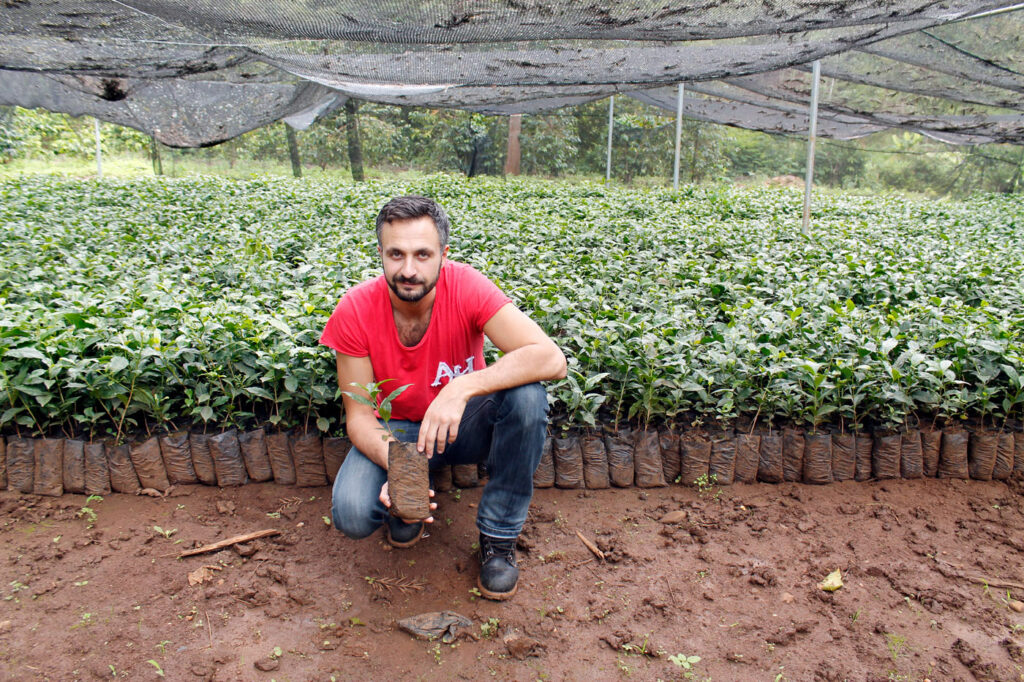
x=413, y=206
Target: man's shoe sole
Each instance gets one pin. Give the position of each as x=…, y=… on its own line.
x=496, y=596
x=407, y=543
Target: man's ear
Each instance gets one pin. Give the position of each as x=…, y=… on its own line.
x=444, y=254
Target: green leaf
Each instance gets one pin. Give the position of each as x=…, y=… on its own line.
x=117, y=363
x=26, y=352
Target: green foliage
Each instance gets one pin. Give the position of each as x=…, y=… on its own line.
x=130, y=305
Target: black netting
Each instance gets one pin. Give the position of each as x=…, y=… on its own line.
x=199, y=73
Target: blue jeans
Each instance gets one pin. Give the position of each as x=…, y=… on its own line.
x=504, y=429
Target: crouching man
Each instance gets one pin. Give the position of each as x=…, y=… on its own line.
x=423, y=323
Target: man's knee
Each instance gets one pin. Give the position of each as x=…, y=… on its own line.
x=529, y=402
x=352, y=516
x=352, y=525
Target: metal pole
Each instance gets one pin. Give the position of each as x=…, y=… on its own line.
x=611, y=123
x=812, y=132
x=99, y=153
x=679, y=136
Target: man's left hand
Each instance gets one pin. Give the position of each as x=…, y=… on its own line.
x=440, y=425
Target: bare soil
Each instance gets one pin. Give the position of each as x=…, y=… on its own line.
x=732, y=576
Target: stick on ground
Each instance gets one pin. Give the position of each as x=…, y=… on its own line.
x=230, y=541
x=590, y=545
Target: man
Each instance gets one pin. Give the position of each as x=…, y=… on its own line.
x=423, y=323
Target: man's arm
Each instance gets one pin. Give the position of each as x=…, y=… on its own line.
x=360, y=423
x=529, y=356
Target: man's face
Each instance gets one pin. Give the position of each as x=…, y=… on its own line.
x=411, y=253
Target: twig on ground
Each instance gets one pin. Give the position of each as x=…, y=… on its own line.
x=590, y=545
x=958, y=571
x=230, y=541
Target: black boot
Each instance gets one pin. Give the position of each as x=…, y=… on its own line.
x=499, y=575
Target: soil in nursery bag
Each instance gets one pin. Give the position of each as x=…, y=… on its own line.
x=648, y=469
x=911, y=454
x=769, y=463
x=544, y=475
x=123, y=478
x=408, y=482
x=621, y=470
x=253, y=445
x=568, y=462
x=281, y=458
x=465, y=475
x=202, y=460
x=793, y=455
x=1004, y=457
x=981, y=454
x=817, y=458
x=97, y=475
x=441, y=479
x=308, y=455
x=335, y=451
x=748, y=448
x=49, y=467
x=595, y=462
x=1018, y=454
x=931, y=447
x=885, y=458
x=953, y=455
x=668, y=441
x=695, y=448
x=227, y=459
x=844, y=456
x=149, y=465
x=177, y=454
x=74, y=466
x=865, y=446
x=21, y=464
x=722, y=464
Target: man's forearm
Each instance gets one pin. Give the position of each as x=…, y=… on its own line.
x=533, y=362
x=368, y=437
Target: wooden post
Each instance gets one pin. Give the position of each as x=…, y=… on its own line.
x=512, y=151
x=99, y=151
x=293, y=150
x=611, y=124
x=812, y=132
x=355, y=146
x=679, y=136
x=154, y=153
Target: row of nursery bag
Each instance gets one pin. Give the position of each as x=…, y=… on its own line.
x=645, y=458
x=53, y=466
x=652, y=458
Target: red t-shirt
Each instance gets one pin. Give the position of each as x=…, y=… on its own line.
x=363, y=325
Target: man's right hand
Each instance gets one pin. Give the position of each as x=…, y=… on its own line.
x=386, y=500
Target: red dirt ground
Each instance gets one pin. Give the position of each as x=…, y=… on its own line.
x=927, y=566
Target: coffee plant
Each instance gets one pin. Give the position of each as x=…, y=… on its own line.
x=143, y=305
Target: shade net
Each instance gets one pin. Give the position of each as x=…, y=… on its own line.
x=198, y=73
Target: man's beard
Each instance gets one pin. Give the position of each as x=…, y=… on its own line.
x=416, y=295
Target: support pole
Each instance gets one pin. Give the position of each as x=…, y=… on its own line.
x=611, y=124
x=679, y=137
x=812, y=132
x=293, y=150
x=99, y=152
x=513, y=153
x=154, y=150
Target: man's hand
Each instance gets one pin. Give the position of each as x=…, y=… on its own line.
x=386, y=499
x=440, y=425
